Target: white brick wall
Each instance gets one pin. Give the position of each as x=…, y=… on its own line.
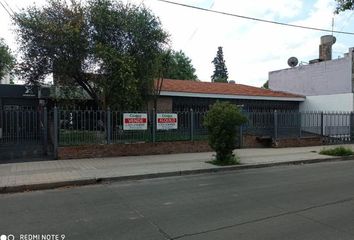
x=335, y=102
x=328, y=77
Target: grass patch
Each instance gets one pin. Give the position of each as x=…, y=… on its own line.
x=338, y=151
x=228, y=162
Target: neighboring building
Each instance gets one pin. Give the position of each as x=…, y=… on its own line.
x=5, y=79
x=326, y=83
x=182, y=95
x=22, y=97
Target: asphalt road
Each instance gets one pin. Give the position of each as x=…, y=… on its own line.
x=294, y=202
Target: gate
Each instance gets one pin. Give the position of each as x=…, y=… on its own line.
x=23, y=133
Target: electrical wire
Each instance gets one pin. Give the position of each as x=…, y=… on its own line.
x=8, y=12
x=197, y=28
x=13, y=13
x=256, y=19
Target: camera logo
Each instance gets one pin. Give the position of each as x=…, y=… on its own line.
x=7, y=237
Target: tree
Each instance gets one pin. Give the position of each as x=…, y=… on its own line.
x=108, y=48
x=54, y=40
x=343, y=5
x=220, y=71
x=266, y=85
x=222, y=121
x=180, y=67
x=128, y=42
x=7, y=61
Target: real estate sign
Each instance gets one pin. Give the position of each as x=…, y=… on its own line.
x=135, y=121
x=166, y=121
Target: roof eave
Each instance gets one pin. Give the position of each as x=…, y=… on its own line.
x=230, y=96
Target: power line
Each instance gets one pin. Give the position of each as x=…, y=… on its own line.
x=13, y=13
x=197, y=28
x=255, y=19
x=6, y=9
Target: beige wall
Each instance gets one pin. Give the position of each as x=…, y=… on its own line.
x=163, y=104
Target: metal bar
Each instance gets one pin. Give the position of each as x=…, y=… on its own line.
x=17, y=127
x=153, y=122
x=322, y=125
x=300, y=124
x=275, y=125
x=108, y=128
x=56, y=131
x=192, y=124
x=45, y=133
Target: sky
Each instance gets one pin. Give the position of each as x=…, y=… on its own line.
x=251, y=49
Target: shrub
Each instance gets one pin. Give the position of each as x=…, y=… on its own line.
x=338, y=151
x=222, y=122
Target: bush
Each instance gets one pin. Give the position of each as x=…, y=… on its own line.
x=338, y=151
x=222, y=122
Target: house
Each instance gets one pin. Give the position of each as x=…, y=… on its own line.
x=327, y=83
x=182, y=95
x=14, y=97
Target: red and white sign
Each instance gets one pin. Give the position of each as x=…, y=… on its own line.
x=134, y=121
x=166, y=121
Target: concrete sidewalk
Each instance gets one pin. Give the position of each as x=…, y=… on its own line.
x=16, y=177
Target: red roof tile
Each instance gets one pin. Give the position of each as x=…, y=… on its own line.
x=221, y=88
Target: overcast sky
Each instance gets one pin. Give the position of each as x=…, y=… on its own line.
x=251, y=49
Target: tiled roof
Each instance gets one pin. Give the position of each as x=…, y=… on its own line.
x=221, y=88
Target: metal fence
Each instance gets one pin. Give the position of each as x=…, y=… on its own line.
x=21, y=127
x=67, y=127
x=77, y=127
x=23, y=133
x=333, y=127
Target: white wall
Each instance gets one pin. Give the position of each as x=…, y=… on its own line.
x=328, y=77
x=334, y=102
x=5, y=79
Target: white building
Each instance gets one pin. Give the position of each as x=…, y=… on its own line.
x=327, y=84
x=5, y=79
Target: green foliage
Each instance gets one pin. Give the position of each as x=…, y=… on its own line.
x=338, y=151
x=108, y=48
x=343, y=5
x=180, y=67
x=129, y=42
x=266, y=85
x=231, y=161
x=54, y=40
x=222, y=121
x=220, y=71
x=7, y=61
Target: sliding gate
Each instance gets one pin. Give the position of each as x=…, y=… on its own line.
x=23, y=134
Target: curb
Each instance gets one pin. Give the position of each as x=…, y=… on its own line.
x=83, y=182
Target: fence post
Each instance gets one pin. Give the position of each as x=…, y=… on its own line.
x=351, y=124
x=275, y=125
x=17, y=126
x=322, y=130
x=109, y=130
x=300, y=124
x=45, y=131
x=192, y=124
x=56, y=131
x=153, y=125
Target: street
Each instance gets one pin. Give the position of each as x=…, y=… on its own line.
x=312, y=201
